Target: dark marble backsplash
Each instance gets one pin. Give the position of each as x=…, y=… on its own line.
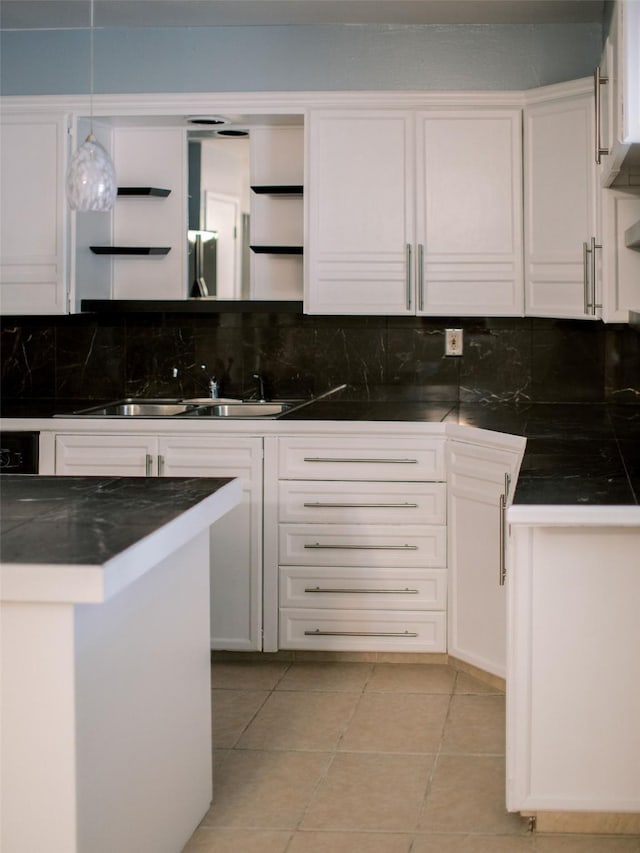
x=92, y=356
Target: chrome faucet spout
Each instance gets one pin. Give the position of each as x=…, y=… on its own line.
x=261, y=387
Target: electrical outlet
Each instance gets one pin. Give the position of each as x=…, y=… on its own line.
x=453, y=341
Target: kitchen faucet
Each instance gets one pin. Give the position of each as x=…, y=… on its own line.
x=213, y=384
x=261, y=386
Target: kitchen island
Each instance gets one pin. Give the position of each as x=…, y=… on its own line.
x=105, y=714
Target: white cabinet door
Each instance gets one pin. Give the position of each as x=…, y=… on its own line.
x=33, y=214
x=95, y=454
x=560, y=208
x=236, y=540
x=469, y=212
x=414, y=212
x=477, y=604
x=359, y=201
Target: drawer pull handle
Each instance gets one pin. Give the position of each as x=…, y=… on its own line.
x=364, y=547
x=323, y=504
x=318, y=633
x=405, y=591
x=368, y=461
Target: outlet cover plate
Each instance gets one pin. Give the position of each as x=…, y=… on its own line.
x=453, y=342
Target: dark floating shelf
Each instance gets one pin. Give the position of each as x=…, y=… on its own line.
x=279, y=189
x=130, y=250
x=144, y=191
x=276, y=250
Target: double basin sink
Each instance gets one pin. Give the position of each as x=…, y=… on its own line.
x=196, y=407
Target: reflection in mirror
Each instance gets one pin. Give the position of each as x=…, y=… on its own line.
x=219, y=199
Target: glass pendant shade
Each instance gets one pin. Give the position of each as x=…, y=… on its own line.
x=91, y=179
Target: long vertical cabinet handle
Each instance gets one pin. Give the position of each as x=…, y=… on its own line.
x=598, y=81
x=160, y=466
x=408, y=275
x=502, y=508
x=594, y=304
x=420, y=265
x=585, y=270
x=148, y=465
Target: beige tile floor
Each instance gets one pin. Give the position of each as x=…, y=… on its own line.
x=363, y=757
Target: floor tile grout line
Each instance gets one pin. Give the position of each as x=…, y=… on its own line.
x=324, y=775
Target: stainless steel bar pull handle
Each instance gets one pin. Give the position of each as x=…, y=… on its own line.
x=585, y=272
x=593, y=303
x=319, y=633
x=408, y=275
x=347, y=460
x=318, y=545
x=355, y=591
x=327, y=505
x=420, y=265
x=598, y=81
x=160, y=466
x=502, y=505
x=148, y=464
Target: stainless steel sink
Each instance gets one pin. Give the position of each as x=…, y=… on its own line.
x=250, y=409
x=194, y=407
x=139, y=409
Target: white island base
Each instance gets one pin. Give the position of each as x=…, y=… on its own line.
x=573, y=682
x=106, y=701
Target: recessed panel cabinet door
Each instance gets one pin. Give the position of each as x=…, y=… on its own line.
x=560, y=209
x=359, y=199
x=469, y=212
x=33, y=214
x=478, y=493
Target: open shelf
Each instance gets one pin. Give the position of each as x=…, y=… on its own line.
x=143, y=191
x=278, y=189
x=130, y=250
x=276, y=250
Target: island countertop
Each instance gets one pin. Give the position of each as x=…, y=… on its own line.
x=84, y=538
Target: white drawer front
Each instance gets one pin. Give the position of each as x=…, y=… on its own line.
x=363, y=458
x=362, y=503
x=419, y=546
x=342, y=587
x=363, y=630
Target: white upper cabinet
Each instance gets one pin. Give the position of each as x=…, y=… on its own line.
x=617, y=91
x=469, y=212
x=34, y=277
x=562, y=247
x=359, y=203
x=414, y=212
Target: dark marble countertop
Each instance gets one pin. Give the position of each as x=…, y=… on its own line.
x=87, y=521
x=576, y=453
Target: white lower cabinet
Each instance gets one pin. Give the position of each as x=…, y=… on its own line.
x=362, y=543
x=236, y=541
x=573, y=704
x=479, y=491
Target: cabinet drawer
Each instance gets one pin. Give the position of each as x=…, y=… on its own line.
x=419, y=546
x=362, y=503
x=362, y=458
x=342, y=587
x=363, y=630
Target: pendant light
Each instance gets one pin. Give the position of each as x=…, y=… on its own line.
x=91, y=180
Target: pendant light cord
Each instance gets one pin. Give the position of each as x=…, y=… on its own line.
x=91, y=70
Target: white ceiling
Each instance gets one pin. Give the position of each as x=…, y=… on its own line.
x=64, y=14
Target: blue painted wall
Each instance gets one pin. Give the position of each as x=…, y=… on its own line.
x=298, y=58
